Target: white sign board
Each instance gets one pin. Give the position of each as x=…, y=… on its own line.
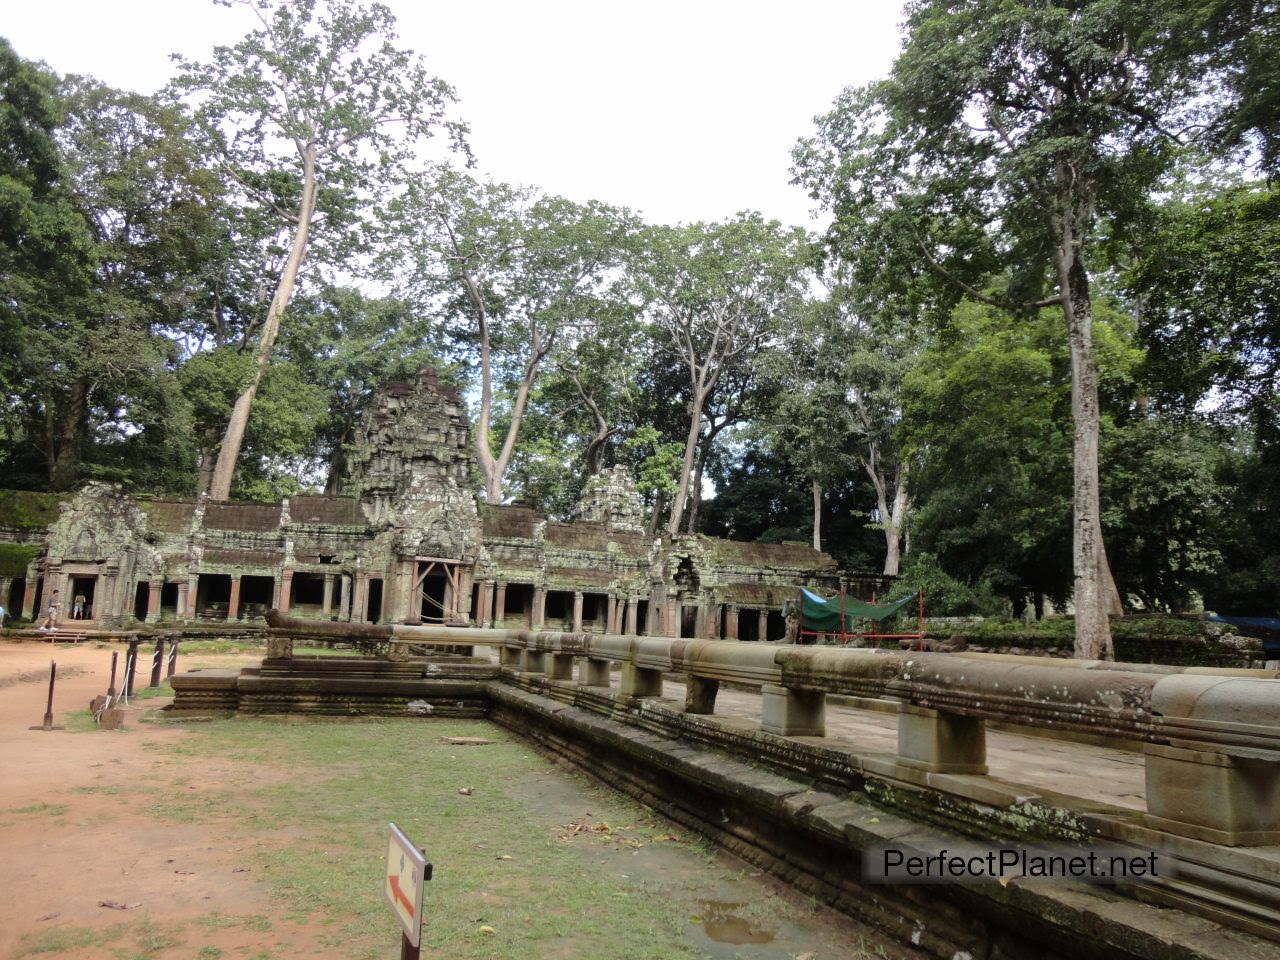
x=407, y=874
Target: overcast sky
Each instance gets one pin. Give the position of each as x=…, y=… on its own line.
x=681, y=110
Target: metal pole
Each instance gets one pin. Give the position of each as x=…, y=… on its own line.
x=111, y=685
x=842, y=635
x=157, y=661
x=130, y=668
x=173, y=656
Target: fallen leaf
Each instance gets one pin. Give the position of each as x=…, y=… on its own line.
x=505, y=857
x=240, y=870
x=467, y=791
x=467, y=741
x=116, y=905
x=49, y=916
x=186, y=873
x=488, y=931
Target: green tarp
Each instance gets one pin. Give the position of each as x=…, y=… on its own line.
x=823, y=616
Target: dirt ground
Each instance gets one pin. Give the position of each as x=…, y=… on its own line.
x=89, y=869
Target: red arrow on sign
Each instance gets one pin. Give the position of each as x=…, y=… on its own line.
x=400, y=895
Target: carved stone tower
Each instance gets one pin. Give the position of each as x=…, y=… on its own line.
x=413, y=437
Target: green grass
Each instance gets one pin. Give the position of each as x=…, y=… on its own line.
x=48, y=809
x=56, y=940
x=496, y=865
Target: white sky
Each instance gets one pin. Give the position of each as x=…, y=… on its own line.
x=681, y=110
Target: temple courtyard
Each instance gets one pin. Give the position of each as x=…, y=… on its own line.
x=264, y=838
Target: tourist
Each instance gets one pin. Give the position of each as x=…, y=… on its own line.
x=51, y=613
x=77, y=607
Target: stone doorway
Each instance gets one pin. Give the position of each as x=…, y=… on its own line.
x=80, y=596
x=437, y=587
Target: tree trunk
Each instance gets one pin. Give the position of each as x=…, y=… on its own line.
x=337, y=464
x=695, y=491
x=817, y=514
x=893, y=524
x=229, y=451
x=66, y=446
x=686, y=470
x=1091, y=596
x=659, y=502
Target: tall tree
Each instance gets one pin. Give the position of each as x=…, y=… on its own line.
x=313, y=114
x=517, y=272
x=1025, y=125
x=716, y=293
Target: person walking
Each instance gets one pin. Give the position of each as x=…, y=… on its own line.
x=51, y=613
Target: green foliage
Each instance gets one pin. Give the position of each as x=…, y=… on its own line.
x=28, y=510
x=14, y=558
x=944, y=595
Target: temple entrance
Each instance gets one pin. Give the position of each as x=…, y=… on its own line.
x=141, y=594
x=437, y=587
x=79, y=605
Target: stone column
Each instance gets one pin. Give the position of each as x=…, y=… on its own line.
x=360, y=598
x=629, y=625
x=701, y=619
x=500, y=605
x=29, y=599
x=482, y=604
x=193, y=595
x=233, y=604
x=611, y=614
x=344, y=603
x=286, y=591
x=794, y=713
x=763, y=629
x=326, y=606
x=539, y=607
x=184, y=588
x=577, y=611
x=155, y=589
x=674, y=615
x=5, y=584
x=410, y=604
x=731, y=622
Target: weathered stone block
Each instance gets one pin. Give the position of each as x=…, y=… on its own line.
x=594, y=672
x=561, y=666
x=533, y=661
x=639, y=682
x=700, y=695
x=794, y=713
x=941, y=742
x=1214, y=796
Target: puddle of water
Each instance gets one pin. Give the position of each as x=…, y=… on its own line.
x=723, y=925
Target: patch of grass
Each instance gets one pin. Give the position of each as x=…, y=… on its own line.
x=141, y=692
x=209, y=953
x=56, y=940
x=496, y=865
x=150, y=940
x=222, y=921
x=48, y=809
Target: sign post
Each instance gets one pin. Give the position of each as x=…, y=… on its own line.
x=407, y=874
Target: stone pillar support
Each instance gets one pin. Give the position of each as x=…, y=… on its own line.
x=941, y=742
x=29, y=599
x=762, y=628
x=326, y=605
x=509, y=656
x=233, y=605
x=561, y=666
x=629, y=625
x=155, y=589
x=539, y=614
x=344, y=603
x=640, y=681
x=482, y=604
x=577, y=611
x=184, y=589
x=794, y=713
x=700, y=695
x=286, y=591
x=594, y=672
x=533, y=661
x=360, y=598
x=500, y=605
x=674, y=615
x=731, y=622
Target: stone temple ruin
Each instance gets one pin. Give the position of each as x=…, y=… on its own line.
x=405, y=542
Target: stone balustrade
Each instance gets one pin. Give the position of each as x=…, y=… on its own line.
x=1211, y=737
